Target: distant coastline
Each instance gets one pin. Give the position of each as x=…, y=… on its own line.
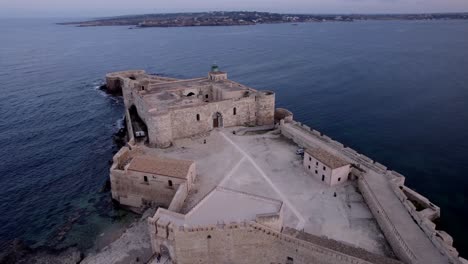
x=239, y=18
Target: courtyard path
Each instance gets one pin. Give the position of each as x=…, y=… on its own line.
x=283, y=197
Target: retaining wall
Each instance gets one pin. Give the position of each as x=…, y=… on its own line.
x=250, y=243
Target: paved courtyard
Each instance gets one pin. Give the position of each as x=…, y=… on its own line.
x=265, y=164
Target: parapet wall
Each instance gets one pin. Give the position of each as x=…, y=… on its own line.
x=250, y=242
x=179, y=198
x=394, y=238
x=441, y=240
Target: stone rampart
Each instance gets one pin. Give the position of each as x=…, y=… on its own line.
x=399, y=246
x=440, y=239
x=283, y=114
x=250, y=242
x=179, y=198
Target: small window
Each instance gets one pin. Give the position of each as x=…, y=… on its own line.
x=339, y=179
x=289, y=260
x=142, y=88
x=208, y=237
x=316, y=172
x=206, y=96
x=323, y=177
x=310, y=159
x=316, y=163
x=170, y=183
x=324, y=168
x=309, y=167
x=198, y=117
x=190, y=94
x=234, y=111
x=145, y=178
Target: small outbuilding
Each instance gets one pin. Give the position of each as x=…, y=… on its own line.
x=139, y=180
x=325, y=166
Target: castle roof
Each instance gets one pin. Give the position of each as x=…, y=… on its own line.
x=327, y=158
x=161, y=166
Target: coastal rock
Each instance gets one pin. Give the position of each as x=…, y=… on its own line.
x=133, y=245
x=18, y=252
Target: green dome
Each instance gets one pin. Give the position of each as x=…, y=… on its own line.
x=215, y=68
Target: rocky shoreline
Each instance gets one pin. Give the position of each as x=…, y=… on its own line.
x=241, y=18
x=128, y=245
x=54, y=252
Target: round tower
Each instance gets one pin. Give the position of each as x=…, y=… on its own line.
x=160, y=130
x=265, y=108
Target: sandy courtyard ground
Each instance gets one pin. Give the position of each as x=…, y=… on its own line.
x=265, y=164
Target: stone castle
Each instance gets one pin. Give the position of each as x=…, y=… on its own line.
x=174, y=109
x=237, y=181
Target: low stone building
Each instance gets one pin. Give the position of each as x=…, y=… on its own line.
x=139, y=180
x=325, y=166
x=165, y=109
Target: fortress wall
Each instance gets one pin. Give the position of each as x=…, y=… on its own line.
x=282, y=113
x=394, y=239
x=250, y=243
x=160, y=130
x=265, y=108
x=440, y=239
x=141, y=108
x=130, y=189
x=179, y=198
x=400, y=248
x=184, y=120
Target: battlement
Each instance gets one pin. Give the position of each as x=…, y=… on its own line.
x=160, y=110
x=386, y=186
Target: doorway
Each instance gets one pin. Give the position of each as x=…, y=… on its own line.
x=217, y=120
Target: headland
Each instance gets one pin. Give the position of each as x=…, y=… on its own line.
x=242, y=18
x=236, y=180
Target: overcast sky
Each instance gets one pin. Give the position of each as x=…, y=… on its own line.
x=91, y=8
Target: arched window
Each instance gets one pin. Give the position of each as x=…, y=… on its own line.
x=145, y=178
x=190, y=94
x=198, y=117
x=234, y=111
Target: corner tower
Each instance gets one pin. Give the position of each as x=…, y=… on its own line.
x=216, y=75
x=265, y=108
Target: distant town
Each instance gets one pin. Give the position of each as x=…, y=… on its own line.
x=237, y=18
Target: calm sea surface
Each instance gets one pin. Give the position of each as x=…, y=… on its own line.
x=395, y=91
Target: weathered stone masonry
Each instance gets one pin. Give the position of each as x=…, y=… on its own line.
x=173, y=109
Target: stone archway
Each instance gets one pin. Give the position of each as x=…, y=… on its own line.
x=217, y=120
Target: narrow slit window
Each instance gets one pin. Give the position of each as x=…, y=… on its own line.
x=145, y=178
x=170, y=183
x=198, y=117
x=234, y=111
